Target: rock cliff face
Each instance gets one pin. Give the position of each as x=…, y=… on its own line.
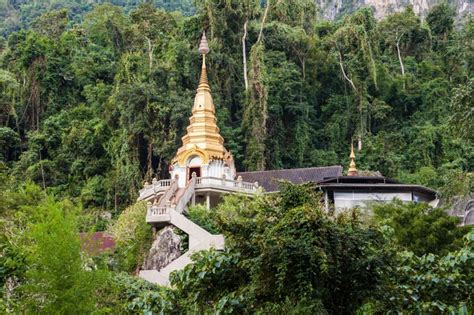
x=333, y=9
x=165, y=249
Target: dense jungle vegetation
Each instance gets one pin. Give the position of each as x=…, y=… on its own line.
x=96, y=96
x=90, y=109
x=284, y=254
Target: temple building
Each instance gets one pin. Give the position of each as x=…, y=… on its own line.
x=203, y=170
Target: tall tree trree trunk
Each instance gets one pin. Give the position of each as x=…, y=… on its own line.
x=150, y=53
x=149, y=171
x=260, y=34
x=244, y=56
x=402, y=67
x=345, y=75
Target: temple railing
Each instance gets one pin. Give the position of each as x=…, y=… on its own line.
x=187, y=195
x=168, y=194
x=155, y=210
x=169, y=187
x=227, y=184
x=155, y=187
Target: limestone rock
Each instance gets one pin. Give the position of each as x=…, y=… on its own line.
x=334, y=9
x=165, y=249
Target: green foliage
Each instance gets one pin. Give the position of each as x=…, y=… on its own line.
x=419, y=228
x=202, y=217
x=132, y=236
x=441, y=19
x=41, y=255
x=56, y=281
x=96, y=99
x=433, y=284
x=9, y=143
x=51, y=24
x=284, y=252
x=122, y=293
x=463, y=110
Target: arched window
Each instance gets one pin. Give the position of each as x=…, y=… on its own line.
x=194, y=166
x=194, y=160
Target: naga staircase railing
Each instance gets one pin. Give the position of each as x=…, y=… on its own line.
x=187, y=194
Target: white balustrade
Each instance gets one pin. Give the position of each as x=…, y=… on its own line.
x=154, y=210
x=235, y=185
x=186, y=196
x=155, y=187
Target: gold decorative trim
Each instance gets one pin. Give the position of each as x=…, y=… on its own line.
x=194, y=151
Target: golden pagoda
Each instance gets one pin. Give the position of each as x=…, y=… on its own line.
x=352, y=165
x=202, y=142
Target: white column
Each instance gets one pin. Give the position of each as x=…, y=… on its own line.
x=326, y=201
x=208, y=201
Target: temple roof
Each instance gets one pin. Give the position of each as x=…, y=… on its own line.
x=372, y=183
x=203, y=136
x=269, y=180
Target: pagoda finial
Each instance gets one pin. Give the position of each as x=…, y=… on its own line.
x=352, y=165
x=203, y=50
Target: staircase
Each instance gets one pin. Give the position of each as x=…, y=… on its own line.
x=169, y=210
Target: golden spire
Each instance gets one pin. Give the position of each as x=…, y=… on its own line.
x=352, y=165
x=203, y=50
x=203, y=138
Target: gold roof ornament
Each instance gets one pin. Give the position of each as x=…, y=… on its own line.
x=352, y=165
x=203, y=136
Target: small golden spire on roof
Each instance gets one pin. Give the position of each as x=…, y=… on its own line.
x=203, y=50
x=352, y=165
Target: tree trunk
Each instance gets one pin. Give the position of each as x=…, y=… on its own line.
x=150, y=53
x=149, y=171
x=244, y=56
x=345, y=75
x=402, y=67
x=263, y=22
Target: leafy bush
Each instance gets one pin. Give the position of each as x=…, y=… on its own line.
x=132, y=235
x=202, y=217
x=55, y=280
x=431, y=284
x=420, y=228
x=282, y=250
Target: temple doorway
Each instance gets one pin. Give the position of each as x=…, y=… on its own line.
x=196, y=170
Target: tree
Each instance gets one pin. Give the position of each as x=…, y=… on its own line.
x=432, y=284
x=41, y=258
x=463, y=110
x=419, y=228
x=51, y=24
x=401, y=31
x=133, y=237
x=282, y=253
x=441, y=20
x=9, y=144
x=56, y=280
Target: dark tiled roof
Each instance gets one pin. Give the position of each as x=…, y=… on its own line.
x=269, y=179
x=357, y=179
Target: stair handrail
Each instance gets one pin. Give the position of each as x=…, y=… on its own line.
x=168, y=194
x=188, y=193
